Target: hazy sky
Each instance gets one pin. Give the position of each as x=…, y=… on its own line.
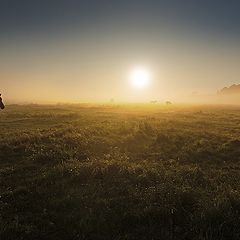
x=75, y=50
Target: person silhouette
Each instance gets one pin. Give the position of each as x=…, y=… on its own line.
x=1, y=102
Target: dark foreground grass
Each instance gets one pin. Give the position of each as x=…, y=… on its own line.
x=119, y=172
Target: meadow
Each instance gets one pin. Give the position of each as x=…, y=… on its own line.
x=143, y=171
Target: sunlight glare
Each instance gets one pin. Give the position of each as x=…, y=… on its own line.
x=140, y=77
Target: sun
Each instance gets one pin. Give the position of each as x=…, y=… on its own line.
x=140, y=77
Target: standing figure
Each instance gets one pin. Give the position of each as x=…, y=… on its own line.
x=1, y=102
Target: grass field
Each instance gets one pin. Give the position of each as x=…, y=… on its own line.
x=120, y=172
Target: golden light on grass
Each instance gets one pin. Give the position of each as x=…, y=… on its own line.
x=140, y=77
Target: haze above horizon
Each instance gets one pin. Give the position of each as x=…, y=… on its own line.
x=68, y=50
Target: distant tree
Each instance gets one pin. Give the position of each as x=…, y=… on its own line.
x=234, y=89
x=1, y=102
x=168, y=103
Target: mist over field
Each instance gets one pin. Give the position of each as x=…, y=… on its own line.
x=225, y=96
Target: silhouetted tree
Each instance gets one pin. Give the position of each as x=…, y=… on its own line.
x=1, y=102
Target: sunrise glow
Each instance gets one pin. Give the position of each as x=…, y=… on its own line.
x=140, y=77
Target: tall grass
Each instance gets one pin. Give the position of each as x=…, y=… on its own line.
x=119, y=172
